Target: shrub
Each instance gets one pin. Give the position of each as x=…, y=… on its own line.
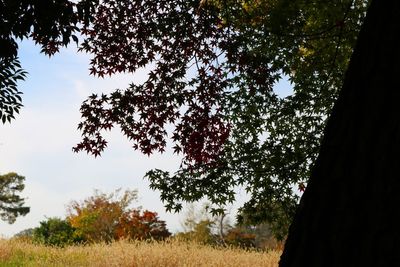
x=238, y=238
x=56, y=232
x=201, y=233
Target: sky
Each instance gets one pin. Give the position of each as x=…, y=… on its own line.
x=38, y=144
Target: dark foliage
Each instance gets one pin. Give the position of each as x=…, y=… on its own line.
x=55, y=232
x=50, y=23
x=213, y=65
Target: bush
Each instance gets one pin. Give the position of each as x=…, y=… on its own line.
x=201, y=233
x=238, y=238
x=24, y=235
x=56, y=232
x=259, y=236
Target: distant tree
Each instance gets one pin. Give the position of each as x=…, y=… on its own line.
x=201, y=226
x=25, y=235
x=239, y=238
x=265, y=237
x=55, y=232
x=97, y=218
x=201, y=233
x=11, y=204
x=260, y=236
x=136, y=224
x=107, y=217
x=195, y=214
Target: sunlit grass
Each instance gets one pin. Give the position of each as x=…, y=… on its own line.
x=132, y=254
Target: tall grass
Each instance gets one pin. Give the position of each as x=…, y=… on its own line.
x=132, y=254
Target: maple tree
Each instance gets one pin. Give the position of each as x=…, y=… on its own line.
x=213, y=67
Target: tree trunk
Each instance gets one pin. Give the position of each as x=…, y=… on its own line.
x=348, y=213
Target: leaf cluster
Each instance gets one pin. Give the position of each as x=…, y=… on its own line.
x=52, y=24
x=128, y=35
x=10, y=96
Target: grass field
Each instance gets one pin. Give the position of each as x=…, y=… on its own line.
x=19, y=253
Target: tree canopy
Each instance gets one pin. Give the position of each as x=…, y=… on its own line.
x=213, y=67
x=11, y=204
x=97, y=217
x=212, y=70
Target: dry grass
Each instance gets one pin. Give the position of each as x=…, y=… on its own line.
x=132, y=254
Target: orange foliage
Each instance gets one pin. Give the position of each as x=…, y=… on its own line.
x=145, y=225
x=107, y=218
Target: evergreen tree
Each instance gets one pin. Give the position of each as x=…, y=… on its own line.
x=11, y=204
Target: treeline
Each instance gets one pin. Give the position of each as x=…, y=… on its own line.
x=109, y=217
x=201, y=227
x=99, y=218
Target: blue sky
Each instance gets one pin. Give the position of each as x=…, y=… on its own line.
x=38, y=143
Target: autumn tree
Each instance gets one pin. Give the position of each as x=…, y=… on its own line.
x=141, y=225
x=97, y=217
x=200, y=233
x=212, y=70
x=193, y=214
x=107, y=217
x=12, y=204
